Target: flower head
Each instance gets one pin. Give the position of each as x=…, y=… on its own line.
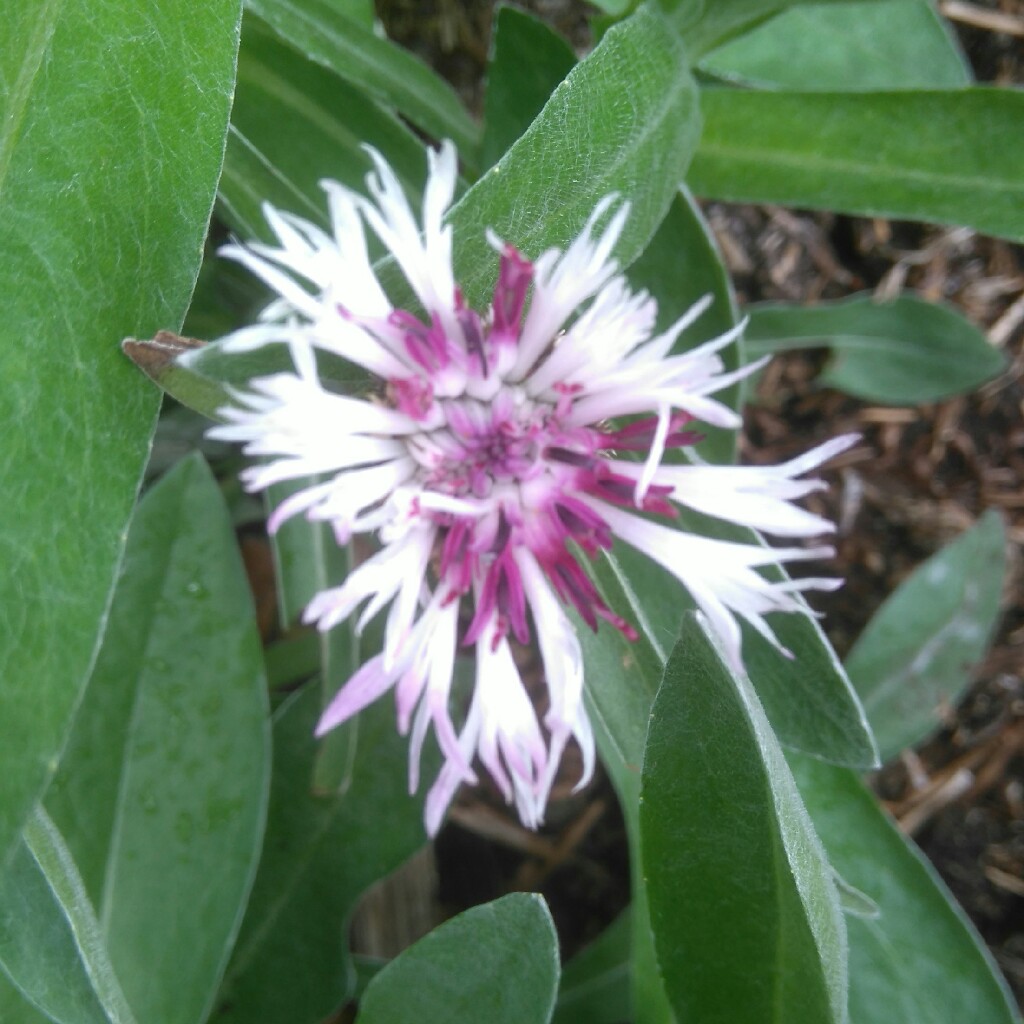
x=494, y=459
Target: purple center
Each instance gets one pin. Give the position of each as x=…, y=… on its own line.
x=525, y=472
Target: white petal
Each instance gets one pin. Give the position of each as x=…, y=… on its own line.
x=720, y=575
x=564, y=280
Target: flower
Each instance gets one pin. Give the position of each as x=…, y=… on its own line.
x=495, y=454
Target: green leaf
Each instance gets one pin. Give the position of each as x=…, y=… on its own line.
x=595, y=982
x=51, y=944
x=309, y=560
x=746, y=918
x=814, y=709
x=903, y=352
x=915, y=656
x=291, y=963
x=895, y=44
x=161, y=795
x=920, y=960
x=360, y=11
x=385, y=71
x=202, y=376
x=633, y=111
x=528, y=61
x=681, y=265
x=502, y=956
x=948, y=156
x=706, y=25
x=15, y=1008
x=639, y=138
x=621, y=681
x=615, y=8
x=110, y=148
x=294, y=123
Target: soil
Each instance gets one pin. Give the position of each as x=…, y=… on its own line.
x=920, y=477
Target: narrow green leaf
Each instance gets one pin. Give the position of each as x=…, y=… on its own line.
x=595, y=982
x=161, y=794
x=633, y=111
x=51, y=944
x=528, y=61
x=356, y=10
x=853, y=901
x=295, y=123
x=746, y=918
x=816, y=709
x=813, y=709
x=291, y=963
x=309, y=560
x=202, y=376
x=615, y=8
x=880, y=44
x=706, y=25
x=903, y=352
x=621, y=681
x=915, y=656
x=919, y=961
x=291, y=661
x=681, y=265
x=385, y=71
x=500, y=960
x=948, y=156
x=110, y=148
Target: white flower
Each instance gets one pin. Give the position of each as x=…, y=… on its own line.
x=487, y=464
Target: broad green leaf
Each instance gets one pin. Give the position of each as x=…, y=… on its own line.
x=295, y=123
x=949, y=156
x=498, y=961
x=387, y=72
x=51, y=945
x=903, y=352
x=161, y=795
x=595, y=982
x=291, y=963
x=882, y=44
x=528, y=61
x=915, y=656
x=746, y=918
x=634, y=122
x=226, y=296
x=919, y=961
x=110, y=148
x=15, y=1008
